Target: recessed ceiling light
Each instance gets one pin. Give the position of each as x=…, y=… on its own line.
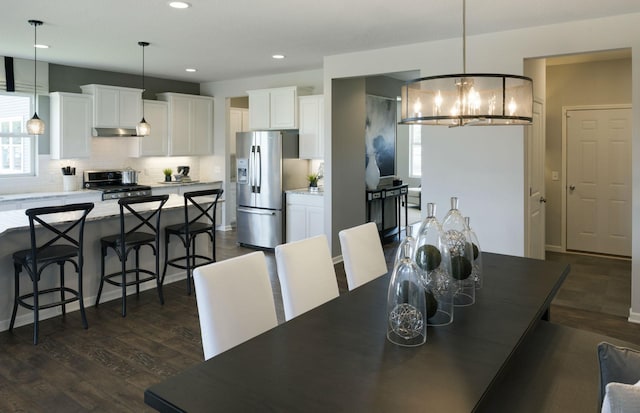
x=179, y=4
x=190, y=70
x=41, y=46
x=278, y=56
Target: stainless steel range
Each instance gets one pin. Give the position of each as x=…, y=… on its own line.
x=110, y=183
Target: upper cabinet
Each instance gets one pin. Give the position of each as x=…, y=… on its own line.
x=190, y=124
x=275, y=108
x=115, y=107
x=311, y=126
x=156, y=113
x=71, y=118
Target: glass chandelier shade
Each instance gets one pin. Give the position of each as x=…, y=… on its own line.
x=143, y=128
x=35, y=125
x=467, y=98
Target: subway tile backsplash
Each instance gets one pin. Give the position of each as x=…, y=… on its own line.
x=111, y=153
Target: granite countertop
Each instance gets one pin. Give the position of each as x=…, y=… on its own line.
x=38, y=195
x=306, y=191
x=159, y=184
x=17, y=220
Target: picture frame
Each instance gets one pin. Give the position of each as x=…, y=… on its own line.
x=380, y=133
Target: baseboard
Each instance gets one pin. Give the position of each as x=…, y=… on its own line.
x=634, y=317
x=554, y=248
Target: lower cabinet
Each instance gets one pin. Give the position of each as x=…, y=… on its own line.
x=305, y=216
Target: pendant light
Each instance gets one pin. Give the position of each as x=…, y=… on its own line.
x=143, y=128
x=468, y=98
x=35, y=125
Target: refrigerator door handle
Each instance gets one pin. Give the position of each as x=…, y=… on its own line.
x=256, y=211
x=252, y=168
x=259, y=169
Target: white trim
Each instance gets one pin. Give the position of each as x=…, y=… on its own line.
x=633, y=317
x=554, y=248
x=565, y=109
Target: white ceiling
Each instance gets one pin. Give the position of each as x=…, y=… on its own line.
x=227, y=39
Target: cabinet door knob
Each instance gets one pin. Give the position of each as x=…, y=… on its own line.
x=572, y=187
x=543, y=199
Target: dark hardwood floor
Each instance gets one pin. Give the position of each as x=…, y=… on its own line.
x=107, y=367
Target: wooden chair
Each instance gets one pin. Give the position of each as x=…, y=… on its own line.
x=64, y=245
x=235, y=302
x=306, y=273
x=362, y=254
x=134, y=217
x=199, y=218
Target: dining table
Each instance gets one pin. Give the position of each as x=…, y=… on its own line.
x=336, y=357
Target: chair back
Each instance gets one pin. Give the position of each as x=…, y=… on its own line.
x=204, y=207
x=235, y=301
x=69, y=232
x=306, y=273
x=141, y=215
x=362, y=254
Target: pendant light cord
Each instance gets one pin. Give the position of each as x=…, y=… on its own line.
x=35, y=66
x=464, y=36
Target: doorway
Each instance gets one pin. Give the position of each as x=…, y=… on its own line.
x=598, y=187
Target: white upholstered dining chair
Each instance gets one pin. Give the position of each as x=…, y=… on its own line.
x=306, y=273
x=235, y=301
x=362, y=254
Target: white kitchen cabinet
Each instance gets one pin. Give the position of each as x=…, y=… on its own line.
x=156, y=113
x=115, y=107
x=311, y=126
x=190, y=124
x=275, y=108
x=305, y=216
x=70, y=130
x=167, y=189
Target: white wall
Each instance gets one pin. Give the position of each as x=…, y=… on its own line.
x=484, y=167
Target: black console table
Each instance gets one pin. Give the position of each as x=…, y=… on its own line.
x=391, y=196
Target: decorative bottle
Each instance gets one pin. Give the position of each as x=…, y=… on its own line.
x=372, y=172
x=432, y=257
x=406, y=307
x=477, y=254
x=407, y=242
x=461, y=256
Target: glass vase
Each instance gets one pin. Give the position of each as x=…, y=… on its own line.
x=477, y=254
x=408, y=242
x=406, y=307
x=432, y=257
x=461, y=256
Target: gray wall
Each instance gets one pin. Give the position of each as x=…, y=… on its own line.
x=347, y=156
x=70, y=78
x=593, y=83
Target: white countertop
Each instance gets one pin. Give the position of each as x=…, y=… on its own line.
x=305, y=191
x=17, y=220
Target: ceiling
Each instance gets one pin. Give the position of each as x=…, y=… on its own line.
x=235, y=39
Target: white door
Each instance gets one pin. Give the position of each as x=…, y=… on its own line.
x=536, y=195
x=599, y=181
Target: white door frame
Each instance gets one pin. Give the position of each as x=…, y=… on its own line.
x=565, y=109
x=529, y=134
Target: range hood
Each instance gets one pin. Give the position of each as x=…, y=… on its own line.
x=113, y=132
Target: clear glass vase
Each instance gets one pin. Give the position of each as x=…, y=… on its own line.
x=477, y=254
x=432, y=257
x=461, y=256
x=406, y=307
x=408, y=242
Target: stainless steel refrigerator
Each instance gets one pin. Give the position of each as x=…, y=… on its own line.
x=267, y=164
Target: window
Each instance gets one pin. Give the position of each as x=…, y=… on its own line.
x=415, y=151
x=17, y=149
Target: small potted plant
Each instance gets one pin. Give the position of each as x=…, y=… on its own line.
x=167, y=174
x=313, y=182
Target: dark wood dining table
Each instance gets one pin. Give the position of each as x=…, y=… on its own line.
x=336, y=358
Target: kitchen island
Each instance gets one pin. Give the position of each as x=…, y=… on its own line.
x=102, y=220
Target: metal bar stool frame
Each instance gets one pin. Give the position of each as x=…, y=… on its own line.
x=132, y=239
x=37, y=258
x=202, y=221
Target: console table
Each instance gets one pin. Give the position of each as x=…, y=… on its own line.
x=395, y=196
x=336, y=357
